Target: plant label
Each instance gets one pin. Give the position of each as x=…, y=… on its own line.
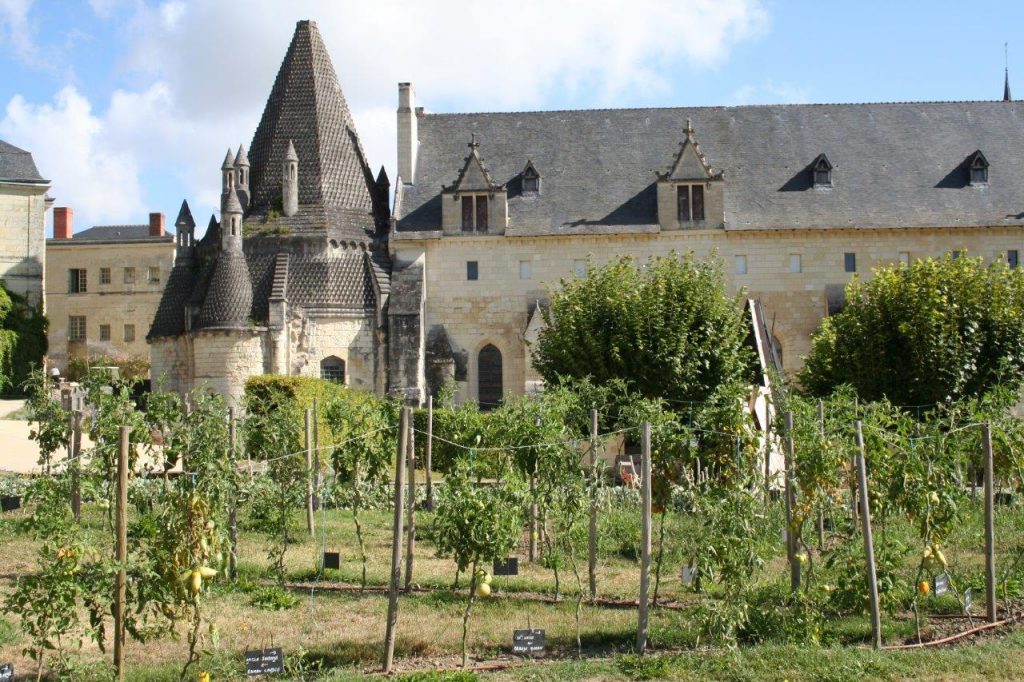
x=940, y=584
x=7, y=672
x=785, y=536
x=968, y=599
x=528, y=641
x=10, y=503
x=264, y=661
x=509, y=566
x=687, y=575
x=332, y=560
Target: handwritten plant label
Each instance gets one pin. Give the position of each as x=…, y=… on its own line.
x=509, y=566
x=528, y=641
x=941, y=584
x=332, y=560
x=264, y=661
x=968, y=599
x=10, y=503
x=687, y=575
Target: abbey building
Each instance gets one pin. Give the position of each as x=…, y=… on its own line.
x=314, y=267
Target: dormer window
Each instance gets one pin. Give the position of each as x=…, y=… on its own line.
x=821, y=172
x=531, y=179
x=977, y=166
x=690, y=203
x=474, y=213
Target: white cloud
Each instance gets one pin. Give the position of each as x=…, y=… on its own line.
x=72, y=146
x=771, y=93
x=207, y=69
x=14, y=28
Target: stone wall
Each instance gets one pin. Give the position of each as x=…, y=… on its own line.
x=311, y=339
x=494, y=309
x=171, y=364
x=115, y=304
x=22, y=239
x=224, y=359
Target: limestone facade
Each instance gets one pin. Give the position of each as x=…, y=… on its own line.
x=23, y=205
x=125, y=270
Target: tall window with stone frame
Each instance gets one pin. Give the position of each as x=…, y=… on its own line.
x=129, y=333
x=489, y=377
x=129, y=275
x=154, y=274
x=690, y=202
x=332, y=368
x=78, y=281
x=104, y=275
x=474, y=213
x=76, y=328
x=104, y=332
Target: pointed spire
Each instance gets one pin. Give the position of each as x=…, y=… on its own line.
x=241, y=159
x=184, y=218
x=232, y=204
x=1007, y=97
x=229, y=161
x=289, y=154
x=382, y=178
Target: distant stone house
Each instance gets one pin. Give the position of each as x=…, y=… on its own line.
x=309, y=271
x=23, y=204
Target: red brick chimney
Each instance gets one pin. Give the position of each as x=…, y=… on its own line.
x=156, y=224
x=63, y=222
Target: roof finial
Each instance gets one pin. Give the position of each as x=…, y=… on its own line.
x=689, y=129
x=473, y=144
x=1006, y=81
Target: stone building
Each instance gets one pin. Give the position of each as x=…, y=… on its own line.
x=307, y=271
x=293, y=277
x=23, y=204
x=494, y=209
x=103, y=286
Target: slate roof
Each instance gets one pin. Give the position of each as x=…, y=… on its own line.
x=16, y=165
x=119, y=233
x=895, y=165
x=306, y=107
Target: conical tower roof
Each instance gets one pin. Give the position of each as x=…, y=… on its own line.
x=306, y=106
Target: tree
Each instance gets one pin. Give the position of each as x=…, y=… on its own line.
x=666, y=329
x=931, y=332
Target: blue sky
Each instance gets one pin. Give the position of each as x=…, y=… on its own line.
x=129, y=105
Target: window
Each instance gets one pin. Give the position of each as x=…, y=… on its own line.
x=104, y=275
x=1012, y=258
x=129, y=333
x=821, y=172
x=905, y=257
x=474, y=213
x=333, y=369
x=690, y=199
x=531, y=179
x=979, y=176
x=794, y=262
x=850, y=262
x=977, y=165
x=741, y=265
x=472, y=270
x=154, y=274
x=77, y=281
x=104, y=332
x=129, y=275
x=579, y=268
x=76, y=328
x=489, y=379
x=524, y=269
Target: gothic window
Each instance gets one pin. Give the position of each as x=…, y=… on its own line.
x=333, y=369
x=690, y=201
x=531, y=179
x=978, y=165
x=821, y=171
x=474, y=213
x=489, y=377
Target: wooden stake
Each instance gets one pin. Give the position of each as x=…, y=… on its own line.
x=645, y=540
x=592, y=529
x=396, y=543
x=410, y=547
x=853, y=481
x=990, y=535
x=791, y=532
x=533, y=514
x=121, y=552
x=869, y=544
x=309, y=472
x=317, y=473
x=428, y=452
x=233, y=511
x=76, y=465
x=821, y=512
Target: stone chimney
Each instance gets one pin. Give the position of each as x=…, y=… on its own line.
x=63, y=222
x=408, y=133
x=156, y=224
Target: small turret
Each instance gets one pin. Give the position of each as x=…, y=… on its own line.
x=290, y=182
x=381, y=203
x=242, y=177
x=231, y=223
x=185, y=227
x=227, y=172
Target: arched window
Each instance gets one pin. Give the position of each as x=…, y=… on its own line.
x=333, y=369
x=489, y=377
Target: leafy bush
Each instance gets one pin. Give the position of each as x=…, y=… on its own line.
x=780, y=616
x=642, y=667
x=131, y=368
x=272, y=598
